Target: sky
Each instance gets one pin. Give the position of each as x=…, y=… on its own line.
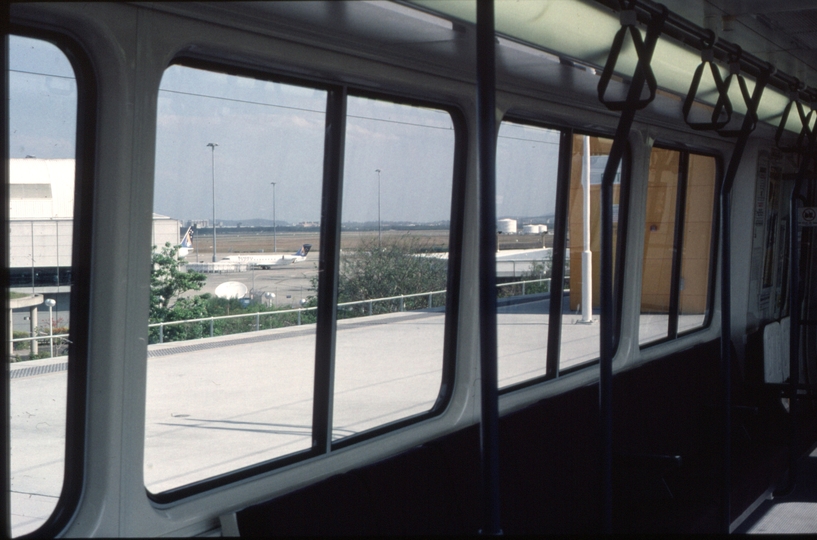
x=271, y=132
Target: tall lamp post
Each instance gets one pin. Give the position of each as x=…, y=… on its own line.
x=274, y=222
x=379, y=229
x=213, y=153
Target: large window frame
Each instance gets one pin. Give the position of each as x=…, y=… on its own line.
x=328, y=266
x=80, y=272
x=678, y=243
x=560, y=249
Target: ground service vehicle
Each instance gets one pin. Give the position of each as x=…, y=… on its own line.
x=562, y=274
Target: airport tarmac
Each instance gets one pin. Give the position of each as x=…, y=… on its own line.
x=288, y=283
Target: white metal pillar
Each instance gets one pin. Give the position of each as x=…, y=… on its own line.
x=587, y=255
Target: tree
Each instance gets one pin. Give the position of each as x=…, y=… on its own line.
x=400, y=267
x=168, y=280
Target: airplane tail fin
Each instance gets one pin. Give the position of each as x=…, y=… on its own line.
x=303, y=251
x=187, y=241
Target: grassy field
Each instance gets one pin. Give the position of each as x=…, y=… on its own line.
x=246, y=241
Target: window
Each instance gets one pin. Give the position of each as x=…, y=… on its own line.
x=678, y=243
x=392, y=289
x=42, y=127
x=527, y=163
x=240, y=224
x=239, y=167
x=581, y=331
x=528, y=234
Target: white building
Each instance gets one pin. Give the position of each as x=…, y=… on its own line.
x=41, y=212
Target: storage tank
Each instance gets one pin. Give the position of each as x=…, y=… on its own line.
x=530, y=229
x=506, y=226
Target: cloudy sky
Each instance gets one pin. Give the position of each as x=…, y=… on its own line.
x=271, y=132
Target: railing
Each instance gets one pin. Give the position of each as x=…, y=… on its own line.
x=521, y=267
x=63, y=338
x=343, y=308
x=307, y=313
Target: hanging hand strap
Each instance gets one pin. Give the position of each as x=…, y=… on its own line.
x=751, y=109
x=629, y=22
x=723, y=105
x=807, y=132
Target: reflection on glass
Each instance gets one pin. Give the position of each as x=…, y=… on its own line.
x=580, y=328
x=231, y=360
x=393, y=266
x=42, y=131
x=527, y=163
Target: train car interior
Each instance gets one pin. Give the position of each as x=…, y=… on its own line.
x=409, y=267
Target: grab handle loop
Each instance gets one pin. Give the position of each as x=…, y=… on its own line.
x=629, y=21
x=722, y=112
x=806, y=130
x=751, y=111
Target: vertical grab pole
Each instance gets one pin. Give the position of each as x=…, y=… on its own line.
x=5, y=332
x=628, y=109
x=746, y=129
x=795, y=311
x=486, y=141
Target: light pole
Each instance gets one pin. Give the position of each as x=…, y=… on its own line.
x=379, y=229
x=274, y=223
x=213, y=153
x=50, y=302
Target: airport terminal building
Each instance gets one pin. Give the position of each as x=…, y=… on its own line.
x=41, y=205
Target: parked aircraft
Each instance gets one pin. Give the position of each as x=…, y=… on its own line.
x=187, y=243
x=266, y=262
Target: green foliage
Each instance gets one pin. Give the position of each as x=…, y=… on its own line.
x=168, y=280
x=20, y=345
x=400, y=266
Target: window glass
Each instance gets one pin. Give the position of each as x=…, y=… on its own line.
x=393, y=265
x=42, y=148
x=526, y=174
x=695, y=265
x=659, y=239
x=580, y=319
x=237, y=200
x=675, y=282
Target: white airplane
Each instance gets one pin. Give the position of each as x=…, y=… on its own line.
x=265, y=262
x=187, y=243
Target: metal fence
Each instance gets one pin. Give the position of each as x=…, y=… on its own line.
x=359, y=308
x=262, y=320
x=62, y=343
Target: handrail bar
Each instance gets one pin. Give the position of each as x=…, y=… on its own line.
x=795, y=309
x=486, y=143
x=723, y=482
x=286, y=311
x=38, y=338
x=343, y=304
x=641, y=76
